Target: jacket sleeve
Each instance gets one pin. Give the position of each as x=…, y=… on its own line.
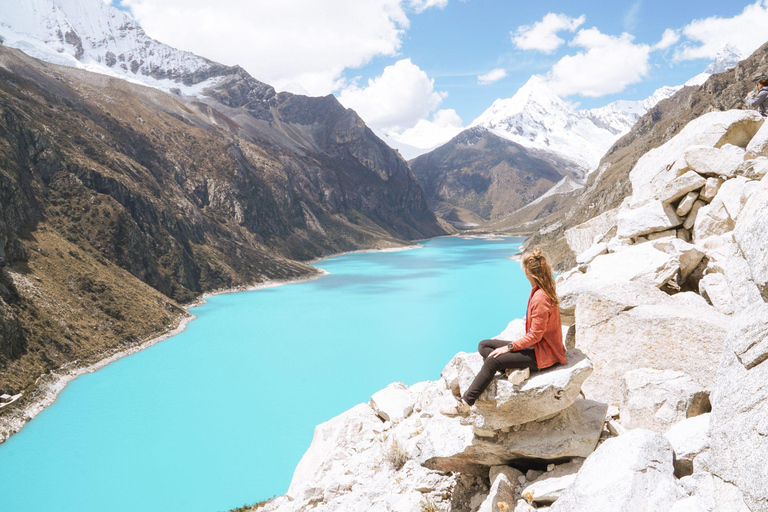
x=539, y=319
x=758, y=98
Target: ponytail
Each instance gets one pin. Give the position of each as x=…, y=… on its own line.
x=541, y=273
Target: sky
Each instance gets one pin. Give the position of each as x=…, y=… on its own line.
x=419, y=71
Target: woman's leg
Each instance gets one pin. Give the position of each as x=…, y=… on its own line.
x=525, y=358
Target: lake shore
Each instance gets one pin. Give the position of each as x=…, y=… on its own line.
x=14, y=416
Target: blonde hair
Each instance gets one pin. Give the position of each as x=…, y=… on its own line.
x=537, y=267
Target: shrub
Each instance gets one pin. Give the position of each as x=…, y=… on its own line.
x=396, y=456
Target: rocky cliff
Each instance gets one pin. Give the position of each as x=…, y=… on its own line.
x=662, y=404
x=120, y=201
x=610, y=184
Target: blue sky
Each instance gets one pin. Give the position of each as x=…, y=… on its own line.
x=410, y=67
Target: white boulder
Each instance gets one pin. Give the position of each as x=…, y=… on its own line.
x=448, y=444
x=504, y=404
x=712, y=220
x=685, y=204
x=634, y=220
x=750, y=235
x=710, y=189
x=502, y=495
x=393, y=403
x=758, y=146
x=711, y=161
x=657, y=399
x=632, y=473
x=689, y=438
x=545, y=489
x=591, y=253
x=714, y=287
x=681, y=186
x=628, y=325
x=582, y=237
x=739, y=420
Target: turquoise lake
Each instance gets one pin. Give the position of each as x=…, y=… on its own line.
x=220, y=414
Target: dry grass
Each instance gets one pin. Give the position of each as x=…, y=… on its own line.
x=428, y=506
x=396, y=456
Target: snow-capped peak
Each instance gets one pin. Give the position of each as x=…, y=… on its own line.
x=92, y=35
x=726, y=58
x=537, y=118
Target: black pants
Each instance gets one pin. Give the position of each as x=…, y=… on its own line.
x=525, y=358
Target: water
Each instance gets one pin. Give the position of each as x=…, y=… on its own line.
x=220, y=414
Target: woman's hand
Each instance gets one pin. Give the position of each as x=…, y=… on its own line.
x=499, y=351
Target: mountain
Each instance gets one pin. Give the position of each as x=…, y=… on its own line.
x=606, y=188
x=120, y=202
x=483, y=173
x=725, y=59
x=537, y=118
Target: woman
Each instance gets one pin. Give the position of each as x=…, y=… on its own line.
x=542, y=345
x=759, y=97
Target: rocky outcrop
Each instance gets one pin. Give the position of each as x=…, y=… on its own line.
x=504, y=404
x=658, y=399
x=631, y=472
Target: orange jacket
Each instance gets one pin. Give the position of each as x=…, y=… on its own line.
x=543, y=330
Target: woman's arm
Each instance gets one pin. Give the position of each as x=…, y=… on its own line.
x=540, y=311
x=759, y=98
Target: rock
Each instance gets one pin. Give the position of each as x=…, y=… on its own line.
x=712, y=220
x=629, y=325
x=570, y=338
x=591, y=253
x=662, y=234
x=728, y=497
x=637, y=220
x=688, y=438
x=582, y=237
x=684, y=235
x=657, y=167
x=739, y=420
x=502, y=495
x=687, y=255
x=503, y=404
x=755, y=169
x=632, y=472
x=735, y=193
x=446, y=444
x=727, y=258
x=714, y=287
x=758, y=146
x=657, y=399
x=514, y=330
x=393, y=403
x=681, y=186
x=691, y=219
x=701, y=493
x=642, y=263
x=523, y=506
x=549, y=486
x=711, y=161
x=750, y=235
x=686, y=203
x=690, y=504
x=710, y=189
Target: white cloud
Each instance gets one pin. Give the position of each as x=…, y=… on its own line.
x=745, y=31
x=282, y=42
x=423, y=5
x=668, y=38
x=542, y=35
x=608, y=65
x=396, y=100
x=491, y=76
x=426, y=134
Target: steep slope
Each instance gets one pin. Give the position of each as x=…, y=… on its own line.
x=606, y=188
x=119, y=201
x=483, y=173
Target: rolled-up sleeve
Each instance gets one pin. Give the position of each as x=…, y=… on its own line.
x=538, y=324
